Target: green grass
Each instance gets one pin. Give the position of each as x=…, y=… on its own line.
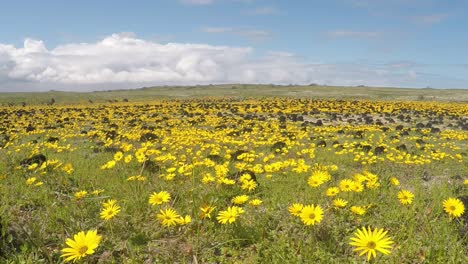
x=37, y=220
x=238, y=90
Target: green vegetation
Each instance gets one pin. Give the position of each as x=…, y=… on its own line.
x=240, y=91
x=214, y=179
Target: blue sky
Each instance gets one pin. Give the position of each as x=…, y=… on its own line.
x=89, y=45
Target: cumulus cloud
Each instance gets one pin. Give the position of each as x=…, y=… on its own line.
x=125, y=61
x=119, y=58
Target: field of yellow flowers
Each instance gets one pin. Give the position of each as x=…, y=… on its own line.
x=228, y=180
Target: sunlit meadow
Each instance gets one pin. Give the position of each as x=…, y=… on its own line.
x=229, y=180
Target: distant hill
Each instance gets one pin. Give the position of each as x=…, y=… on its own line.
x=236, y=90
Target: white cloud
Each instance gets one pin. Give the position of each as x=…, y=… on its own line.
x=250, y=34
x=429, y=19
x=197, y=2
x=353, y=34
x=217, y=29
x=125, y=61
x=403, y=64
x=266, y=10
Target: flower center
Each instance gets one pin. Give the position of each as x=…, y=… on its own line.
x=452, y=208
x=371, y=244
x=82, y=250
x=312, y=216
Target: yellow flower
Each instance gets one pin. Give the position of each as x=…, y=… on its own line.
x=332, y=191
x=32, y=166
x=168, y=217
x=357, y=187
x=359, y=210
x=109, y=202
x=245, y=177
x=136, y=178
x=229, y=215
x=140, y=156
x=323, y=175
x=207, y=178
x=159, y=198
x=81, y=245
x=140, y=178
x=205, y=211
x=295, y=209
x=370, y=176
x=346, y=185
x=315, y=181
x=80, y=195
x=68, y=168
x=128, y=158
x=359, y=178
x=373, y=184
x=339, y=203
x=169, y=176
x=184, y=220
x=310, y=214
x=228, y=181
x=369, y=242
x=97, y=192
x=394, y=181
x=39, y=183
x=249, y=185
x=240, y=199
x=108, y=165
x=453, y=207
x=405, y=197
x=256, y=202
x=110, y=211
x=132, y=178
x=118, y=156
x=30, y=180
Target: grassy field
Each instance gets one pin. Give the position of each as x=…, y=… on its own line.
x=244, y=174
x=240, y=91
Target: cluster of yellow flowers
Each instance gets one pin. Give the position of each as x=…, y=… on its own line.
x=231, y=146
x=365, y=240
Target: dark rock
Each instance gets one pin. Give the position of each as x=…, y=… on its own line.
x=278, y=145
x=379, y=150
x=52, y=139
x=148, y=137
x=215, y=158
x=237, y=153
x=235, y=176
x=402, y=147
x=321, y=143
x=38, y=159
x=151, y=166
